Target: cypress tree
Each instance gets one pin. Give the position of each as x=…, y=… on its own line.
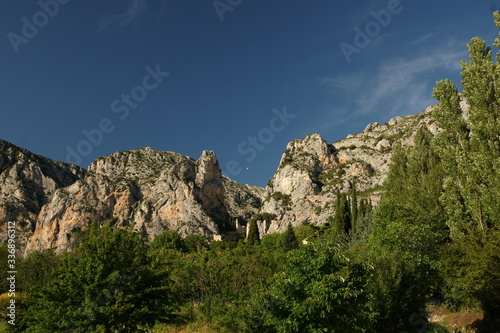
x=363, y=208
x=290, y=241
x=253, y=237
x=342, y=220
x=354, y=206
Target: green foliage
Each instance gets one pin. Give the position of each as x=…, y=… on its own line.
x=409, y=226
x=397, y=291
x=272, y=241
x=36, y=270
x=286, y=199
x=365, y=207
x=317, y=291
x=417, y=173
x=342, y=219
x=169, y=239
x=219, y=284
x=253, y=237
x=222, y=245
x=105, y=284
x=469, y=147
x=4, y=267
x=196, y=243
x=472, y=271
x=470, y=144
x=268, y=217
x=305, y=231
x=333, y=176
x=354, y=206
x=290, y=241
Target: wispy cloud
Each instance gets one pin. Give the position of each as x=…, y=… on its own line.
x=397, y=87
x=422, y=39
x=134, y=9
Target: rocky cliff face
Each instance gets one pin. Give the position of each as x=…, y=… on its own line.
x=311, y=170
x=152, y=191
x=27, y=182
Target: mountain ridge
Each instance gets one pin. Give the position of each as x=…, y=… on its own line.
x=154, y=191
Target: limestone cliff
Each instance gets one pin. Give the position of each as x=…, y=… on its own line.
x=311, y=170
x=150, y=190
x=27, y=182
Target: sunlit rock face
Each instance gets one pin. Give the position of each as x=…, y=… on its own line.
x=311, y=171
x=151, y=191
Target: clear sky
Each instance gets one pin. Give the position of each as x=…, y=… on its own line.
x=83, y=79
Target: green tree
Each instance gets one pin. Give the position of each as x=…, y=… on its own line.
x=414, y=186
x=342, y=219
x=253, y=237
x=317, y=291
x=365, y=207
x=169, y=239
x=104, y=285
x=272, y=241
x=472, y=271
x=290, y=241
x=469, y=146
x=409, y=226
x=195, y=243
x=354, y=206
x=217, y=285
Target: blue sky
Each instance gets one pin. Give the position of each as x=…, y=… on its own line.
x=83, y=79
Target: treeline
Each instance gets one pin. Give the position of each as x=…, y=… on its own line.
x=434, y=237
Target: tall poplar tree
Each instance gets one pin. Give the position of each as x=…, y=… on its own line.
x=469, y=146
x=470, y=142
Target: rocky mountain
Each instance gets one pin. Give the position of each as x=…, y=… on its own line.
x=311, y=170
x=152, y=191
x=27, y=183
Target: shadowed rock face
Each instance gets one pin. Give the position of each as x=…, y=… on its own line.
x=151, y=191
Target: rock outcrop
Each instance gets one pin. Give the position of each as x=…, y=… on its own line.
x=152, y=191
x=27, y=182
x=311, y=171
x=148, y=190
